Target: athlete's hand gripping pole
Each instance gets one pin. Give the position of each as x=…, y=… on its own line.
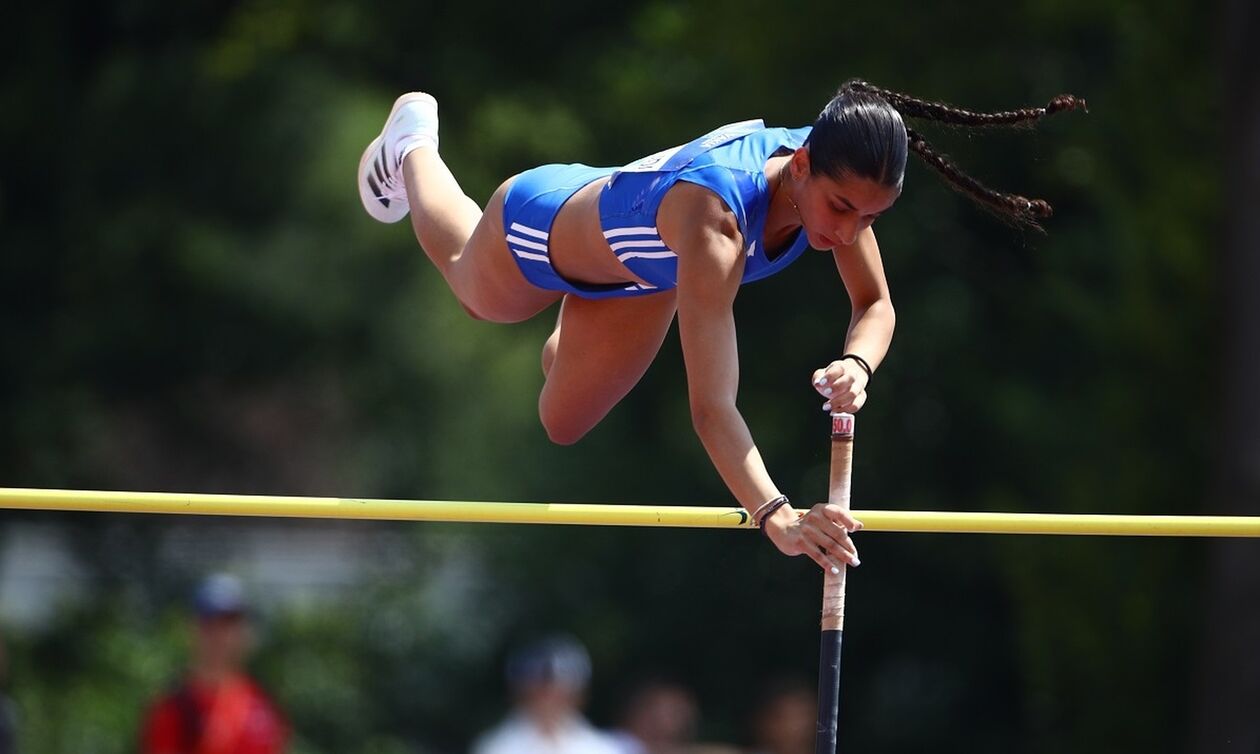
x=833, y=592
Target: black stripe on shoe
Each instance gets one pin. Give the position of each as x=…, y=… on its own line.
x=376, y=189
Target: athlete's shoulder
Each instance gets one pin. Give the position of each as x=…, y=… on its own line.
x=692, y=213
x=695, y=201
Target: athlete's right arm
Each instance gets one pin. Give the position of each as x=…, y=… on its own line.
x=697, y=225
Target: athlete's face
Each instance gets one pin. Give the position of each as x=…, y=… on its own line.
x=835, y=211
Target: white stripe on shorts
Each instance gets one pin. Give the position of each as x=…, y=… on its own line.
x=531, y=256
x=527, y=244
x=637, y=245
x=645, y=255
x=528, y=231
x=640, y=231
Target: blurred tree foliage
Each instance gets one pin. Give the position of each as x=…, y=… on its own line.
x=193, y=299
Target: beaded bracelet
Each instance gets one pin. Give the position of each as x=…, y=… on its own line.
x=763, y=514
x=756, y=515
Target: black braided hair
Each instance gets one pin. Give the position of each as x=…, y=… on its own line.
x=859, y=133
x=912, y=107
x=1018, y=209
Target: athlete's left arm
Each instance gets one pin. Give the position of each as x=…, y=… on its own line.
x=842, y=383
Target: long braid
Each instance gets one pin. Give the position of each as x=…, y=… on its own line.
x=913, y=107
x=1020, y=210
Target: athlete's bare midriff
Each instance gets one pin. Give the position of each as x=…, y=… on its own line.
x=578, y=249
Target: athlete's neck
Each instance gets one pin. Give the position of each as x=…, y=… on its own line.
x=783, y=219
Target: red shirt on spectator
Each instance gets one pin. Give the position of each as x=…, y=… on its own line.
x=232, y=717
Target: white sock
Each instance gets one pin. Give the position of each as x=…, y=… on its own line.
x=413, y=141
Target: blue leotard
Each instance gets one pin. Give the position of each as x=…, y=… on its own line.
x=730, y=162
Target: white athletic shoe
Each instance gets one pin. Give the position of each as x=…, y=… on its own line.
x=412, y=123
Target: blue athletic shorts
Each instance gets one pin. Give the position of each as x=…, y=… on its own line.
x=529, y=209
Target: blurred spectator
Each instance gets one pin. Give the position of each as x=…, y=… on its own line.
x=216, y=708
x=786, y=719
x=548, y=683
x=8, y=718
x=659, y=717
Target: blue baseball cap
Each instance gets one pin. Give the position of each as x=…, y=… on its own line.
x=555, y=659
x=219, y=595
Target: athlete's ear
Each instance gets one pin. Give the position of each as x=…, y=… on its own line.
x=799, y=164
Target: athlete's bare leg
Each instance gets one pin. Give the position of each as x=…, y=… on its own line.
x=599, y=351
x=401, y=171
x=442, y=215
x=466, y=245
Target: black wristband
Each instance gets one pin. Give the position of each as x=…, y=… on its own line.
x=771, y=507
x=861, y=362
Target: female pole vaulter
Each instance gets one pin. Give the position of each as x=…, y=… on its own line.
x=626, y=249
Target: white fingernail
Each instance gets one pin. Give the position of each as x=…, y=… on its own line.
x=835, y=570
x=857, y=562
x=821, y=380
x=827, y=391
x=826, y=407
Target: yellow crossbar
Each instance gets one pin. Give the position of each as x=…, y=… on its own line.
x=941, y=522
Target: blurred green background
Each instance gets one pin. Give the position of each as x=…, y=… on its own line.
x=194, y=300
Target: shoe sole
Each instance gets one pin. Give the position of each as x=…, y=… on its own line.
x=373, y=206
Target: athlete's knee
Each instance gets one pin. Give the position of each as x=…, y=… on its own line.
x=472, y=312
x=563, y=427
x=563, y=430
x=565, y=437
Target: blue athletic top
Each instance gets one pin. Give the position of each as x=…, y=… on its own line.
x=730, y=162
